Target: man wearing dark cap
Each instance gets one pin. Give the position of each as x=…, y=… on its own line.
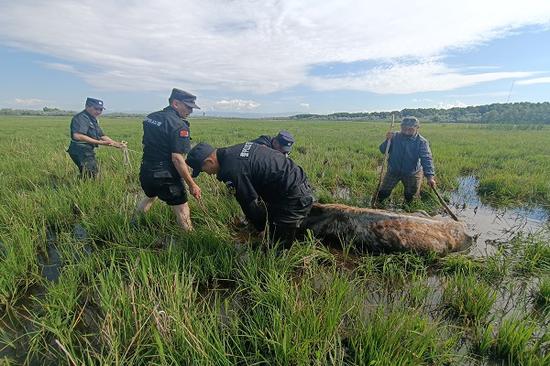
x=166, y=140
x=269, y=187
x=86, y=135
x=409, y=158
x=282, y=142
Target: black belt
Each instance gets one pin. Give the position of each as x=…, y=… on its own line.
x=166, y=163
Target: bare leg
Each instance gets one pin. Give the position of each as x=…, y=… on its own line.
x=145, y=204
x=183, y=216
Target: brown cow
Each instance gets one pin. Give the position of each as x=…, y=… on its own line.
x=385, y=231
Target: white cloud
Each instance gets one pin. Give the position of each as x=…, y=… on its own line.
x=264, y=46
x=29, y=102
x=543, y=80
x=410, y=78
x=304, y=105
x=61, y=67
x=236, y=104
x=449, y=105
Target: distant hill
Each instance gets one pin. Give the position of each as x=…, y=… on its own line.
x=513, y=113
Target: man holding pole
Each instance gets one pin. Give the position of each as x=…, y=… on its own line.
x=409, y=158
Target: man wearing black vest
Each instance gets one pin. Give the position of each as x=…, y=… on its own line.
x=269, y=187
x=166, y=140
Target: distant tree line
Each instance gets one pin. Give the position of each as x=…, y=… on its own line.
x=47, y=111
x=508, y=113
x=512, y=113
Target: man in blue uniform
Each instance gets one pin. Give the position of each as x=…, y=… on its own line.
x=282, y=142
x=410, y=157
x=166, y=140
x=86, y=135
x=269, y=187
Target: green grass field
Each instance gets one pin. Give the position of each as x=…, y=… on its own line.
x=154, y=295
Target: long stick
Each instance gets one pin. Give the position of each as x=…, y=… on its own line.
x=447, y=209
x=375, y=196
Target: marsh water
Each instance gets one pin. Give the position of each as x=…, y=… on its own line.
x=494, y=225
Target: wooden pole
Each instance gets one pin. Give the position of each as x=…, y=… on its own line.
x=447, y=209
x=386, y=153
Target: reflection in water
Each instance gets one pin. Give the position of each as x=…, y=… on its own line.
x=493, y=225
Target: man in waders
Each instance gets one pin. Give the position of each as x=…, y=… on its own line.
x=409, y=158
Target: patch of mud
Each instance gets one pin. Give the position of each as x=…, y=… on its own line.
x=493, y=225
x=16, y=327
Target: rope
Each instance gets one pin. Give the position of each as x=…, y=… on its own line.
x=125, y=155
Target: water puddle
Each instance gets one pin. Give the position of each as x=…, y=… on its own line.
x=51, y=261
x=493, y=225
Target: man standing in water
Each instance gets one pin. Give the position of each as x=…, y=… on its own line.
x=86, y=135
x=166, y=140
x=410, y=157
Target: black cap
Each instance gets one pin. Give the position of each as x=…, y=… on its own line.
x=196, y=157
x=185, y=97
x=410, y=122
x=96, y=103
x=286, y=140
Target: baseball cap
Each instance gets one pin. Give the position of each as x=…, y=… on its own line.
x=96, y=103
x=286, y=140
x=410, y=122
x=185, y=97
x=196, y=157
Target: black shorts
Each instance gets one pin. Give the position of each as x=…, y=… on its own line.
x=162, y=180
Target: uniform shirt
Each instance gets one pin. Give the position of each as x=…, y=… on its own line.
x=86, y=124
x=408, y=154
x=258, y=171
x=164, y=133
x=264, y=140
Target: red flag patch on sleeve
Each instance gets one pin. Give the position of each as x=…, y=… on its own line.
x=184, y=133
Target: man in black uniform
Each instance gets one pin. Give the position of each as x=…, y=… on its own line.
x=166, y=140
x=282, y=142
x=258, y=172
x=86, y=135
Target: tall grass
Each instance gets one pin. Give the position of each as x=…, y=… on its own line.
x=152, y=294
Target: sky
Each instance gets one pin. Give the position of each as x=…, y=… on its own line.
x=274, y=57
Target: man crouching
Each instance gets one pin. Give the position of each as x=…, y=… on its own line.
x=269, y=187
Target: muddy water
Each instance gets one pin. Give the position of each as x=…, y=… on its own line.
x=51, y=261
x=494, y=225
